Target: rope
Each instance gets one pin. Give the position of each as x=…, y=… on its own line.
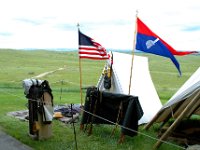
x=148, y=136
x=134, y=130
x=172, y=112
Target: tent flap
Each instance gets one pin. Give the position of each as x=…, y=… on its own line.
x=141, y=83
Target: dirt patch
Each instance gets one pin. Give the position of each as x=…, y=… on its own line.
x=47, y=73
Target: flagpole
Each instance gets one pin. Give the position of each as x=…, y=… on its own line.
x=80, y=71
x=134, y=39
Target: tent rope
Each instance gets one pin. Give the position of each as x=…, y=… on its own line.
x=172, y=112
x=151, y=137
x=146, y=135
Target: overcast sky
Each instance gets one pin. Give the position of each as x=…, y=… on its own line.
x=52, y=23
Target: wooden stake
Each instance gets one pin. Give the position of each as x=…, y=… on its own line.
x=74, y=127
x=134, y=39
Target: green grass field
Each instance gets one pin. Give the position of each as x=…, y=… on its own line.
x=17, y=65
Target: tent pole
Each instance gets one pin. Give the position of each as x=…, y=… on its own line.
x=152, y=121
x=159, y=114
x=169, y=115
x=134, y=39
x=189, y=107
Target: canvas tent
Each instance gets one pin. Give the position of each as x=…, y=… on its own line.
x=184, y=103
x=141, y=83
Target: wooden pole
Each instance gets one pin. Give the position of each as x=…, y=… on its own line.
x=168, y=116
x=190, y=107
x=74, y=128
x=134, y=39
x=153, y=120
x=80, y=72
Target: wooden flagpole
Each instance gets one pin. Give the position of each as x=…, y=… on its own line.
x=80, y=71
x=122, y=137
x=134, y=39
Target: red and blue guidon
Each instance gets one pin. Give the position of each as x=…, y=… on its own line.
x=147, y=41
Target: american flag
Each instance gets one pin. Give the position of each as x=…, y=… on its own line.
x=90, y=49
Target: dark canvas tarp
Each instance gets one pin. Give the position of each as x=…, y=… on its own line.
x=108, y=105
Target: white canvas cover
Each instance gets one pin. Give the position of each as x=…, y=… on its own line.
x=141, y=85
x=179, y=101
x=186, y=90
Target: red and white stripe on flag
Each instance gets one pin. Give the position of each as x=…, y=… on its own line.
x=96, y=52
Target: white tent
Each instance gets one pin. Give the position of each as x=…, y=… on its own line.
x=184, y=103
x=176, y=104
x=141, y=85
x=188, y=88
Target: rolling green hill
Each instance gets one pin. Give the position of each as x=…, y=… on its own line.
x=61, y=69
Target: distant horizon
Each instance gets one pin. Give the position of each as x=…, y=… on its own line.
x=76, y=49
x=61, y=49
